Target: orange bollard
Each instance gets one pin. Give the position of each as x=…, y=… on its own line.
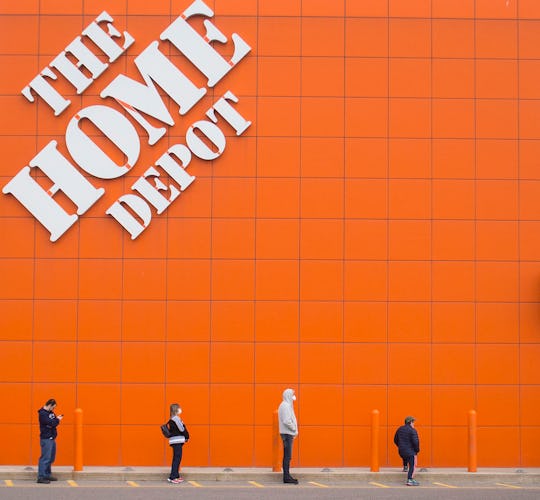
x=473, y=451
x=276, y=441
x=78, y=440
x=375, y=441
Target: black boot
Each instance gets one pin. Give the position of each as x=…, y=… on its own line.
x=290, y=480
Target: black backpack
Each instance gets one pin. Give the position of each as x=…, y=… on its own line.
x=165, y=431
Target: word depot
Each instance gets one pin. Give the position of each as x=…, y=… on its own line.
x=132, y=211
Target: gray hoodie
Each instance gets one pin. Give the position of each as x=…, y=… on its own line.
x=287, y=418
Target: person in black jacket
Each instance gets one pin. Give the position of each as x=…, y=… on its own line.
x=406, y=439
x=179, y=436
x=48, y=422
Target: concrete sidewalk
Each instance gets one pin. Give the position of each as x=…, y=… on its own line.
x=521, y=476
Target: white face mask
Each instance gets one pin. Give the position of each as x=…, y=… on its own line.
x=179, y=411
x=294, y=397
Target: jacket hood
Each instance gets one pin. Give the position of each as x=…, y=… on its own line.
x=288, y=396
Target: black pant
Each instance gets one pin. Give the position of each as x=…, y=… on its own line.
x=176, y=459
x=410, y=461
x=287, y=453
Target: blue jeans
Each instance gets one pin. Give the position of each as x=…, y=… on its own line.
x=48, y=454
x=287, y=453
x=177, y=458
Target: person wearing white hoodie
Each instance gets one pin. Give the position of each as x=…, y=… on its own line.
x=288, y=429
x=179, y=436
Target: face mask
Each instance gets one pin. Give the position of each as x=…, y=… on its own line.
x=294, y=398
x=179, y=411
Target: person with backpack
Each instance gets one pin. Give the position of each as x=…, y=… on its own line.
x=178, y=436
x=406, y=439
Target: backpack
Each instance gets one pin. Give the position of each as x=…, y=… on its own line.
x=165, y=431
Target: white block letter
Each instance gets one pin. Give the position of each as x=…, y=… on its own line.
x=117, y=128
x=173, y=168
x=105, y=40
x=212, y=132
x=198, y=49
x=40, y=203
x=232, y=117
x=152, y=192
x=46, y=91
x=126, y=219
x=85, y=58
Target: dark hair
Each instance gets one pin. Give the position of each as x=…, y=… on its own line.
x=51, y=402
x=409, y=420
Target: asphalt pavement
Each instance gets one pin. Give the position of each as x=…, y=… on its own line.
x=207, y=483
x=243, y=490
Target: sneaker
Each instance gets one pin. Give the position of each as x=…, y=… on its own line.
x=405, y=469
x=177, y=480
x=412, y=482
x=43, y=480
x=52, y=478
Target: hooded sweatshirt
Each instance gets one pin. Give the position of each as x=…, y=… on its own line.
x=177, y=428
x=287, y=418
x=48, y=422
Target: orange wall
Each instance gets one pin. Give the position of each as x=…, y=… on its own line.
x=372, y=240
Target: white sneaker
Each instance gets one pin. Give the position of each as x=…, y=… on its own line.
x=178, y=480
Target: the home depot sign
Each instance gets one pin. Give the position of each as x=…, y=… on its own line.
x=133, y=210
